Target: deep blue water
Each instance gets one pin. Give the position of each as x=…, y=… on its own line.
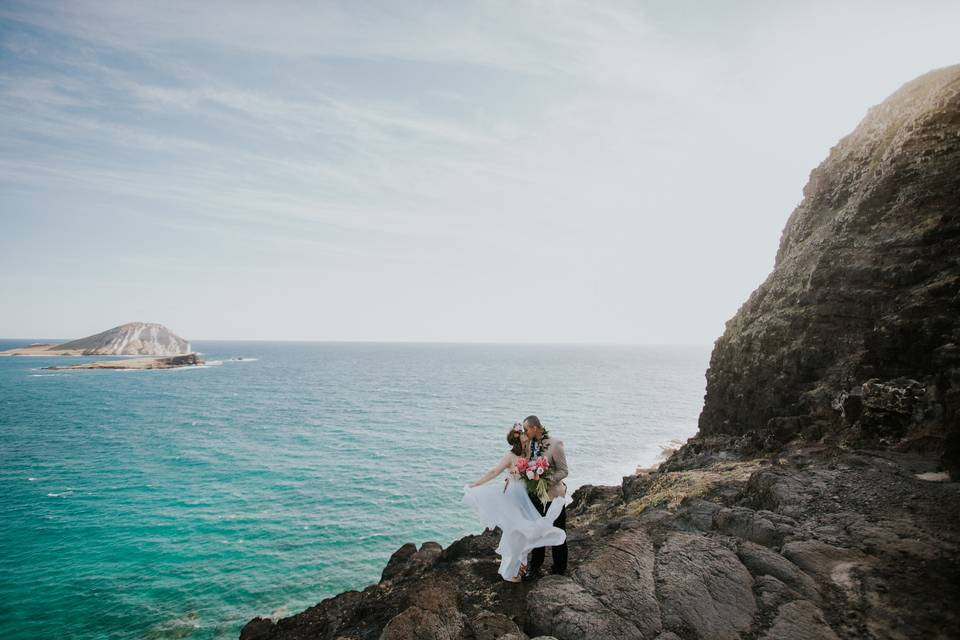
x=181, y=503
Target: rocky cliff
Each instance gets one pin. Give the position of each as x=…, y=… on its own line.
x=813, y=503
x=856, y=332
x=133, y=338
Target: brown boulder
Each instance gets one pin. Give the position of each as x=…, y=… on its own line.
x=704, y=589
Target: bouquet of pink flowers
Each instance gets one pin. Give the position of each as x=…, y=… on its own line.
x=537, y=473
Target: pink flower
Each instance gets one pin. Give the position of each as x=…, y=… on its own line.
x=522, y=465
x=542, y=463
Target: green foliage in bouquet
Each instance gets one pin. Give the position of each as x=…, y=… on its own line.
x=540, y=486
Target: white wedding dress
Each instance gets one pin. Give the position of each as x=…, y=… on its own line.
x=524, y=529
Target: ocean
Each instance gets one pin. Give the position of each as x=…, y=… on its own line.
x=181, y=503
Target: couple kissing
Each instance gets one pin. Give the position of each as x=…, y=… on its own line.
x=529, y=505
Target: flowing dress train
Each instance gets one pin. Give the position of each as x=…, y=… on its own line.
x=523, y=528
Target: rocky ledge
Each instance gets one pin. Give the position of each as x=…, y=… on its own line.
x=172, y=362
x=816, y=501
x=813, y=542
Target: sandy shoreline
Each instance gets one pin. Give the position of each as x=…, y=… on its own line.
x=41, y=350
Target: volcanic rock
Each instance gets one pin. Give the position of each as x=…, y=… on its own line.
x=865, y=291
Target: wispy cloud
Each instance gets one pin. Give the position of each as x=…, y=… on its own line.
x=590, y=157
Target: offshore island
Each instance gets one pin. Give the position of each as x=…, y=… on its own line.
x=819, y=499
x=130, y=339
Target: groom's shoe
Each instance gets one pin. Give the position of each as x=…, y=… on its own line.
x=532, y=574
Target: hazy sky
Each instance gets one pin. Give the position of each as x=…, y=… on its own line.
x=495, y=171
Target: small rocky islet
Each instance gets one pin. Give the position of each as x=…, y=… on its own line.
x=819, y=499
x=169, y=350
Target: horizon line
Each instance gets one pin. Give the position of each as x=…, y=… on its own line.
x=451, y=342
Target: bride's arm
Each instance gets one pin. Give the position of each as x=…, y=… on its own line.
x=494, y=472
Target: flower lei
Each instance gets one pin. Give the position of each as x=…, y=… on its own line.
x=537, y=472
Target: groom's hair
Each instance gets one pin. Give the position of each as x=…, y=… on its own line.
x=534, y=420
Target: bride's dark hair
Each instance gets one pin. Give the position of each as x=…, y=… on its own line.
x=513, y=439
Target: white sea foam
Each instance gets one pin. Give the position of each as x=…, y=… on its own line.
x=175, y=627
x=187, y=368
x=667, y=450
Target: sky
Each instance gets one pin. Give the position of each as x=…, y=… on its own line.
x=612, y=172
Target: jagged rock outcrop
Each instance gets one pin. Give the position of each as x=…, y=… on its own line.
x=857, y=329
x=131, y=339
x=811, y=504
x=868, y=550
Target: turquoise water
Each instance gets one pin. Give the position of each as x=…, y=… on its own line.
x=181, y=503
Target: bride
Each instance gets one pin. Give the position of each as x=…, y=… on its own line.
x=507, y=506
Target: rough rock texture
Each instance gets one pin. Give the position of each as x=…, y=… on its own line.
x=620, y=574
x=857, y=329
x=131, y=339
x=433, y=613
x=563, y=608
x=800, y=620
x=806, y=506
x=872, y=551
x=705, y=589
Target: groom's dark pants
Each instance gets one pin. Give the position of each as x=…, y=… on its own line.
x=559, y=554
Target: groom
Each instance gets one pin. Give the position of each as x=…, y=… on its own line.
x=539, y=444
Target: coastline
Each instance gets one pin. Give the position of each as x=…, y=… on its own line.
x=163, y=362
x=666, y=447
x=729, y=539
x=40, y=351
x=647, y=459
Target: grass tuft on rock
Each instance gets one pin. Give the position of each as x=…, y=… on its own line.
x=670, y=488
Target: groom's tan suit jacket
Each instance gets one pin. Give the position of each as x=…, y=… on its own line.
x=553, y=450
